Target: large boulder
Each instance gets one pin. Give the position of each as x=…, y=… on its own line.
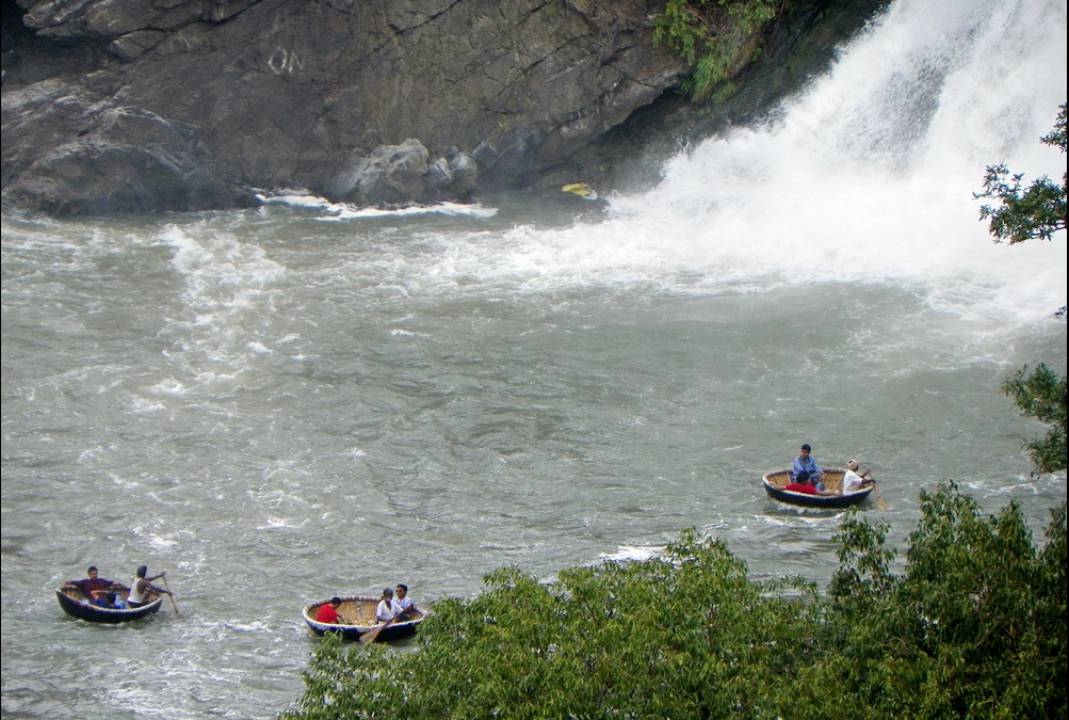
x=399, y=174
x=390, y=174
x=99, y=158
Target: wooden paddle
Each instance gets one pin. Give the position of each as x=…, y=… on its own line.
x=879, y=499
x=170, y=595
x=370, y=635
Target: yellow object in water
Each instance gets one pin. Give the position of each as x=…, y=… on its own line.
x=581, y=189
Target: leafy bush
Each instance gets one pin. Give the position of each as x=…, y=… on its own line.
x=1043, y=395
x=974, y=627
x=724, y=35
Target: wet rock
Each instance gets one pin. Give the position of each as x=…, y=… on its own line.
x=398, y=174
x=465, y=176
x=133, y=45
x=104, y=159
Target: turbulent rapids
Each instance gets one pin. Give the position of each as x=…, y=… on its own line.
x=310, y=399
x=866, y=176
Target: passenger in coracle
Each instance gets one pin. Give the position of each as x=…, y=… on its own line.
x=328, y=611
x=802, y=485
x=805, y=463
x=93, y=586
x=408, y=608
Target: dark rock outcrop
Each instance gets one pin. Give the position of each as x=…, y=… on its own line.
x=224, y=96
x=70, y=151
x=144, y=105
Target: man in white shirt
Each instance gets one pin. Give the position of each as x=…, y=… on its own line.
x=408, y=608
x=387, y=607
x=852, y=481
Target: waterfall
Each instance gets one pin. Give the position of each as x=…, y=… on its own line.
x=866, y=176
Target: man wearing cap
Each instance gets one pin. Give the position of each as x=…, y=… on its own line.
x=804, y=463
x=852, y=479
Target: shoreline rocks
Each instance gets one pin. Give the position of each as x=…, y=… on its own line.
x=397, y=174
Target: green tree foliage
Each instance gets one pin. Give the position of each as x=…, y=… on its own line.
x=1038, y=212
x=722, y=35
x=1025, y=214
x=1043, y=395
x=975, y=626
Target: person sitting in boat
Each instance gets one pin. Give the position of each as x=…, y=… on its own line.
x=805, y=463
x=403, y=601
x=93, y=587
x=387, y=608
x=103, y=601
x=852, y=479
x=142, y=586
x=328, y=611
x=117, y=602
x=802, y=485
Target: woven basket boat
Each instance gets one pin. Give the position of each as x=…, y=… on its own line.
x=75, y=604
x=356, y=616
x=776, y=481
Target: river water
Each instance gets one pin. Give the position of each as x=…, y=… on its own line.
x=279, y=405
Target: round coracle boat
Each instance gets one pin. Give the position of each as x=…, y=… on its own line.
x=356, y=616
x=75, y=604
x=776, y=482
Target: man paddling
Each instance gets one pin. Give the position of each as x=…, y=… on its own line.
x=142, y=586
x=853, y=479
x=387, y=608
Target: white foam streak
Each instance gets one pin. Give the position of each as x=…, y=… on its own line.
x=344, y=211
x=229, y=290
x=628, y=553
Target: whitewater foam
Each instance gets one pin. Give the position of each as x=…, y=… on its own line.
x=334, y=212
x=866, y=177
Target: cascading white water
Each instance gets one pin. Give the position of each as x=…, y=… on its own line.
x=296, y=403
x=867, y=175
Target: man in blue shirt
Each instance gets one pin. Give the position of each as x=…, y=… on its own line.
x=806, y=464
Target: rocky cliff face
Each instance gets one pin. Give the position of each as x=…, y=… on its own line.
x=148, y=105
x=172, y=104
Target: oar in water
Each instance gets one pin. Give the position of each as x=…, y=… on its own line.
x=879, y=499
x=370, y=635
x=170, y=595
